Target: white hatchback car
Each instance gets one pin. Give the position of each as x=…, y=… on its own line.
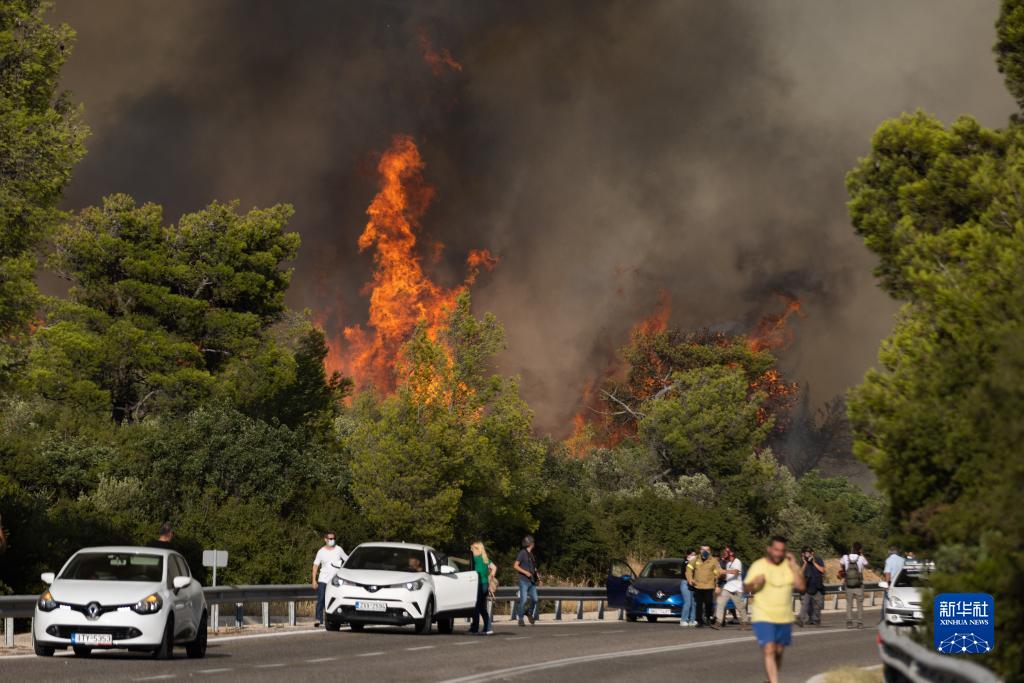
x=121, y=597
x=902, y=604
x=398, y=584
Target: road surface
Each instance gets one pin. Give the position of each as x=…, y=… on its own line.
x=550, y=651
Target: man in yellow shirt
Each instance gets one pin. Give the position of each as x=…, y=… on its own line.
x=771, y=581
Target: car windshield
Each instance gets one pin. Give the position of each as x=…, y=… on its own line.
x=384, y=558
x=910, y=579
x=114, y=567
x=664, y=569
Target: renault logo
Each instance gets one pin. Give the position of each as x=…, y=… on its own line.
x=93, y=610
x=660, y=595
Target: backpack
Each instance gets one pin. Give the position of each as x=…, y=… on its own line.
x=854, y=578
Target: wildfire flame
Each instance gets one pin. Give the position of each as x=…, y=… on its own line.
x=772, y=331
x=401, y=293
x=438, y=61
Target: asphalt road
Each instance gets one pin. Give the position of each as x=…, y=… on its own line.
x=550, y=651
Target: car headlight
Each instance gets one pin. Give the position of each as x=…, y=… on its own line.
x=47, y=603
x=632, y=592
x=338, y=581
x=148, y=605
x=896, y=602
x=414, y=585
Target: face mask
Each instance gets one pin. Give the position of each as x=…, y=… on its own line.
x=330, y=541
x=704, y=554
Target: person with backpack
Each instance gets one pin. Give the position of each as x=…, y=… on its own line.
x=852, y=566
x=485, y=570
x=526, y=566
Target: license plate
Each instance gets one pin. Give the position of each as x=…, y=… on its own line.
x=92, y=639
x=659, y=610
x=371, y=606
x=919, y=615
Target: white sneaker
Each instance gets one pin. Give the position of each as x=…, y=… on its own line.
x=693, y=623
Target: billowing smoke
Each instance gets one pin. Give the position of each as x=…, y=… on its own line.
x=604, y=151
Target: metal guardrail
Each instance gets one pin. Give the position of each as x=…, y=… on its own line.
x=22, y=606
x=906, y=661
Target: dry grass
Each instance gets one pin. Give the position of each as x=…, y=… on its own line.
x=853, y=674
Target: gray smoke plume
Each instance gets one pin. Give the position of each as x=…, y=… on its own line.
x=604, y=150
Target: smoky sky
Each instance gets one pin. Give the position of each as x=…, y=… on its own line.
x=603, y=150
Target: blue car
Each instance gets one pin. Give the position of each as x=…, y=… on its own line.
x=652, y=593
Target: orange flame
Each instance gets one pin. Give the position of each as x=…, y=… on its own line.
x=401, y=293
x=772, y=331
x=437, y=61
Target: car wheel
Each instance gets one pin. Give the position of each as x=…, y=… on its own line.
x=356, y=627
x=630, y=617
x=424, y=625
x=446, y=625
x=332, y=625
x=166, y=648
x=651, y=619
x=197, y=648
x=41, y=650
x=82, y=651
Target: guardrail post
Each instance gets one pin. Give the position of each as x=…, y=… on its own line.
x=291, y=613
x=579, y=610
x=835, y=606
x=558, y=610
x=266, y=615
x=515, y=608
x=238, y=615
x=215, y=611
x=9, y=632
x=621, y=614
x=874, y=594
x=600, y=610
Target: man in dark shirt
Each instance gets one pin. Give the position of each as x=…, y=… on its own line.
x=165, y=537
x=813, y=599
x=526, y=566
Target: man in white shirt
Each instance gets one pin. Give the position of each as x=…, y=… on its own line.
x=731, y=590
x=324, y=562
x=893, y=564
x=852, y=566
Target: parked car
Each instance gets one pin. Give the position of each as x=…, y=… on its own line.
x=399, y=584
x=121, y=597
x=653, y=593
x=902, y=603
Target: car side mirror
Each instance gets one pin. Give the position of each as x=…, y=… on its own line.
x=883, y=584
x=338, y=565
x=627, y=577
x=180, y=582
x=446, y=569
x=47, y=577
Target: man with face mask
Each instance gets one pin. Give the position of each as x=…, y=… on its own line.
x=703, y=575
x=732, y=589
x=325, y=560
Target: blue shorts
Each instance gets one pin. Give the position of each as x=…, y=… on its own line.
x=767, y=632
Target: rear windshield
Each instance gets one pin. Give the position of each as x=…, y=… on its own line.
x=386, y=559
x=663, y=570
x=907, y=579
x=115, y=567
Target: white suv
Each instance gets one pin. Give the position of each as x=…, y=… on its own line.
x=397, y=584
x=121, y=597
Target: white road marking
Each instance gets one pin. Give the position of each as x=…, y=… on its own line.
x=321, y=659
x=515, y=638
x=469, y=642
x=212, y=671
x=370, y=654
x=226, y=639
x=161, y=677
x=569, y=661
x=269, y=666
x=421, y=647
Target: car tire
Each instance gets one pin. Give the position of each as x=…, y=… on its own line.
x=166, y=648
x=630, y=617
x=424, y=625
x=332, y=625
x=357, y=628
x=651, y=619
x=197, y=648
x=446, y=625
x=42, y=650
x=81, y=651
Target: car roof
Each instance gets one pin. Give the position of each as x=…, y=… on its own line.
x=128, y=549
x=395, y=544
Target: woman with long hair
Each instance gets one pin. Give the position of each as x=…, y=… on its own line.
x=485, y=570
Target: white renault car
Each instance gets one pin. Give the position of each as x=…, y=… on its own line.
x=121, y=597
x=398, y=584
x=902, y=604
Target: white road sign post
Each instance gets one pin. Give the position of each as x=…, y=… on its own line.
x=215, y=558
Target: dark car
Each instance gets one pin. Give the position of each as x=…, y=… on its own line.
x=654, y=592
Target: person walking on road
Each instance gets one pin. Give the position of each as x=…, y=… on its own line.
x=852, y=566
x=686, y=615
x=732, y=589
x=771, y=580
x=526, y=566
x=893, y=564
x=702, y=575
x=813, y=599
x=485, y=570
x=326, y=557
